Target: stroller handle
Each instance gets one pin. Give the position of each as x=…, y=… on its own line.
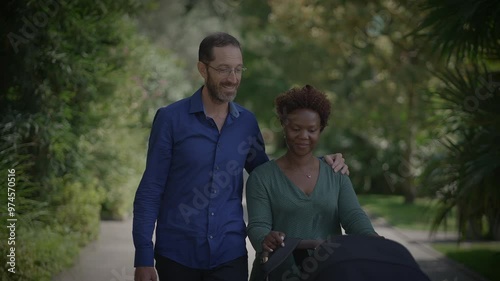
x=306, y=244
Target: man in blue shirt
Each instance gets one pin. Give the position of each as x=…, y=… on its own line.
x=193, y=181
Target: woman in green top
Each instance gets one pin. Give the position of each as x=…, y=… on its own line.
x=297, y=195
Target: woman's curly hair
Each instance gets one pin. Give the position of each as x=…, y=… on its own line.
x=306, y=97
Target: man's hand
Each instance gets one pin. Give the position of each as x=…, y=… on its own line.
x=337, y=162
x=144, y=273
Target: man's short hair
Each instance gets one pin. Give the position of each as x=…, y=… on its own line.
x=218, y=39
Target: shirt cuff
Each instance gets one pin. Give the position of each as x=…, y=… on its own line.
x=144, y=257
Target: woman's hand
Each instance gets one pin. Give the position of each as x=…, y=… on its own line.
x=273, y=240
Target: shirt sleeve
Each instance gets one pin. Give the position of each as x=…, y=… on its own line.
x=257, y=152
x=259, y=211
x=353, y=219
x=148, y=195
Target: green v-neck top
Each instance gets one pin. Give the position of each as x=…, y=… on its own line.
x=276, y=203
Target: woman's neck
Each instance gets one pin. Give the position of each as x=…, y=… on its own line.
x=294, y=160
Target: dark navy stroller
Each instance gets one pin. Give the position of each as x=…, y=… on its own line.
x=348, y=258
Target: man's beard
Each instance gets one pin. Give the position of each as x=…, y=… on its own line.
x=217, y=95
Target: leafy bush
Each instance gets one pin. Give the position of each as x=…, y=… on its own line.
x=72, y=120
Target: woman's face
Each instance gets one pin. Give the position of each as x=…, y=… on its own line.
x=302, y=130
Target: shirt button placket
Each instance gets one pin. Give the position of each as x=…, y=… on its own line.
x=212, y=219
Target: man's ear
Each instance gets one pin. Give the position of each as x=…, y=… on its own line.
x=202, y=69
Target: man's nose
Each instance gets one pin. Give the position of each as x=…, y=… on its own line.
x=232, y=76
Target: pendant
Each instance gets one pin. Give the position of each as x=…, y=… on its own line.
x=308, y=176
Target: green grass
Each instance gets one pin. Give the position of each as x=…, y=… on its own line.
x=417, y=216
x=483, y=258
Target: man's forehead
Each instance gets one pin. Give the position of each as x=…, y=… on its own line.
x=229, y=54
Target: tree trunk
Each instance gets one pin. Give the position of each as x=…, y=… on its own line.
x=474, y=229
x=494, y=227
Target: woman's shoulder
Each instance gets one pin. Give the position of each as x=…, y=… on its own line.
x=261, y=176
x=330, y=173
x=264, y=169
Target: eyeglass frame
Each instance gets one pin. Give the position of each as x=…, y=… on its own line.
x=224, y=72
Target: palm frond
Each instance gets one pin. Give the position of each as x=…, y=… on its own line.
x=465, y=177
x=465, y=29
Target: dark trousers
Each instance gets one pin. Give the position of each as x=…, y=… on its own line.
x=169, y=270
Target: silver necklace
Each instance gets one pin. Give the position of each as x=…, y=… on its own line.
x=308, y=175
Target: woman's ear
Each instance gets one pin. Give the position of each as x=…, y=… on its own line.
x=284, y=122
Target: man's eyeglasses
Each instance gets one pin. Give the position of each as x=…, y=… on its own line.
x=226, y=71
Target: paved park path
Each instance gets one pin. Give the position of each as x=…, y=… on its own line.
x=110, y=258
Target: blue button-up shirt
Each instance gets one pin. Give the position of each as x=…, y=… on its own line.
x=192, y=185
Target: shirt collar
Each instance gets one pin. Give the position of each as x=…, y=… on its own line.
x=197, y=105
